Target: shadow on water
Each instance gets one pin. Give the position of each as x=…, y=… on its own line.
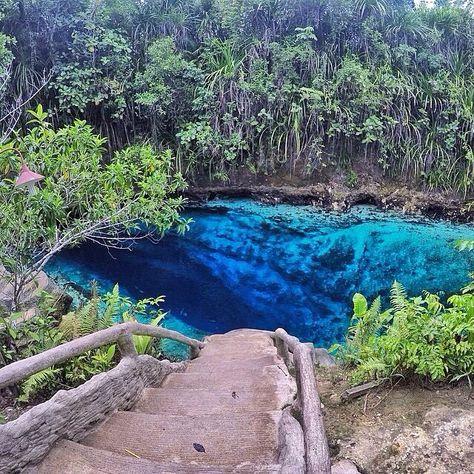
x=245, y=264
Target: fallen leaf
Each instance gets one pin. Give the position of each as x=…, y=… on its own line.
x=199, y=448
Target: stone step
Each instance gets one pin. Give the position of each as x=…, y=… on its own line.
x=68, y=457
x=228, y=439
x=205, y=401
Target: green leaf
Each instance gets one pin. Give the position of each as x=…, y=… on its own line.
x=360, y=305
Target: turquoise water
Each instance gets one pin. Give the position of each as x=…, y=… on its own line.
x=247, y=264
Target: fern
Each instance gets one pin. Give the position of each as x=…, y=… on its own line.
x=70, y=326
x=111, y=308
x=372, y=368
x=89, y=315
x=398, y=296
x=37, y=382
x=464, y=244
x=87, y=319
x=418, y=337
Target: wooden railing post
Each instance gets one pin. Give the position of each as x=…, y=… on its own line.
x=119, y=333
x=194, y=352
x=282, y=349
x=126, y=346
x=316, y=443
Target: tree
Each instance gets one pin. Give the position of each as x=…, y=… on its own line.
x=81, y=198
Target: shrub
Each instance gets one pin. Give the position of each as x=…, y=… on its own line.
x=415, y=337
x=18, y=341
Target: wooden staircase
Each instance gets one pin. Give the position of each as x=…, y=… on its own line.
x=221, y=415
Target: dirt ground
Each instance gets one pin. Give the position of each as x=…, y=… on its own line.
x=398, y=429
x=9, y=410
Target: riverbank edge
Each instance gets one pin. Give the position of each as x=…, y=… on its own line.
x=341, y=198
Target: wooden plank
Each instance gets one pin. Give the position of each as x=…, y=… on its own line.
x=355, y=392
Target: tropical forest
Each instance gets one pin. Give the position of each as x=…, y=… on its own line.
x=236, y=236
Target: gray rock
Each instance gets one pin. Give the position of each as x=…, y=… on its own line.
x=344, y=466
x=323, y=358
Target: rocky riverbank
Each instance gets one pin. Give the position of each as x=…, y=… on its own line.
x=341, y=198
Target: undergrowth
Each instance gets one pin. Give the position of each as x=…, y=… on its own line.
x=415, y=337
x=19, y=341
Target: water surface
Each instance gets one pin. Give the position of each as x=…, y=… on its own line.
x=247, y=264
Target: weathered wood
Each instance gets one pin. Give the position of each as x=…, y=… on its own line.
x=316, y=443
x=126, y=346
x=354, y=392
x=70, y=414
x=291, y=445
x=21, y=369
x=283, y=351
x=307, y=403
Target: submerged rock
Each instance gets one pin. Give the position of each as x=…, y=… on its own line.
x=284, y=266
x=341, y=198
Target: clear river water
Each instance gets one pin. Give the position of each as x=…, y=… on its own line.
x=247, y=264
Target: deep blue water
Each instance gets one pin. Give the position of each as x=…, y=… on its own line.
x=246, y=264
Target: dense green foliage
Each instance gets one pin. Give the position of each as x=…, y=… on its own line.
x=18, y=341
x=415, y=337
x=81, y=198
x=258, y=86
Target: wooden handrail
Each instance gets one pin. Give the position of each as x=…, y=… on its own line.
x=119, y=333
x=307, y=401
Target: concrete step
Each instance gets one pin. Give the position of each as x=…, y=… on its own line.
x=214, y=363
x=264, y=379
x=259, y=339
x=73, y=458
x=254, y=341
x=247, y=334
x=228, y=439
x=205, y=401
x=229, y=352
x=220, y=373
